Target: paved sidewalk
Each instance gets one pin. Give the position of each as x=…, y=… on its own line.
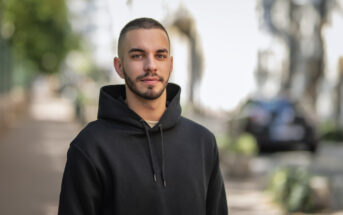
x=245, y=197
x=32, y=158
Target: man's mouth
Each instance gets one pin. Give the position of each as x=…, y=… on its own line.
x=151, y=80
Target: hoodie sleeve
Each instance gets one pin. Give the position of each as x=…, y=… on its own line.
x=81, y=191
x=216, y=203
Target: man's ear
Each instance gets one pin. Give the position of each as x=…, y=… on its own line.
x=118, y=66
x=171, y=64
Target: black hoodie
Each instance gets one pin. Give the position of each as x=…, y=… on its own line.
x=118, y=165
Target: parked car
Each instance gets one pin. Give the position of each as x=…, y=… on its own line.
x=278, y=124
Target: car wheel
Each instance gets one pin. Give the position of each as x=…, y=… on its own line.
x=312, y=147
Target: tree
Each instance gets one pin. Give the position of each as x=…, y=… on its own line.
x=186, y=25
x=300, y=28
x=40, y=31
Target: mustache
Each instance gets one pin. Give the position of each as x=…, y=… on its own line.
x=153, y=75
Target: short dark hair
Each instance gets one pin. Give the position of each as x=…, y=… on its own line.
x=140, y=23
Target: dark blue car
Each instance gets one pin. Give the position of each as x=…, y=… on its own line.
x=277, y=124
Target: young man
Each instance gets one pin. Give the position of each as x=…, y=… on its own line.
x=141, y=156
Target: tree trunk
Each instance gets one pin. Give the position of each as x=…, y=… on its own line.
x=338, y=94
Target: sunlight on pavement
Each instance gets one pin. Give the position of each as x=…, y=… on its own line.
x=55, y=109
x=46, y=105
x=50, y=209
x=247, y=200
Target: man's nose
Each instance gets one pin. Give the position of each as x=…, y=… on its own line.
x=150, y=64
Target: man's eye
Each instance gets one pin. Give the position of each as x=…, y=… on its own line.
x=136, y=56
x=161, y=56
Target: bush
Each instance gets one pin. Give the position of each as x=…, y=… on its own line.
x=331, y=132
x=290, y=187
x=246, y=144
x=243, y=144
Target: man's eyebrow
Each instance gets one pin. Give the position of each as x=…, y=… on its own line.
x=162, y=51
x=141, y=50
x=136, y=50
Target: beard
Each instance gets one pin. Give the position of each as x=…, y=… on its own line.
x=149, y=94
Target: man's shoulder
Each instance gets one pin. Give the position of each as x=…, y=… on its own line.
x=193, y=126
x=199, y=134
x=90, y=129
x=88, y=135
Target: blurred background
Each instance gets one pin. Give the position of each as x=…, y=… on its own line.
x=265, y=76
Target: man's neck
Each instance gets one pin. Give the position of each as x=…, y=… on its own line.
x=151, y=110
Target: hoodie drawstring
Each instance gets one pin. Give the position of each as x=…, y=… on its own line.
x=150, y=153
x=162, y=155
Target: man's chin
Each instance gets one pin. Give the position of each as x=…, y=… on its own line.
x=148, y=92
x=152, y=95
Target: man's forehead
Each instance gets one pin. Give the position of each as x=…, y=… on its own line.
x=146, y=38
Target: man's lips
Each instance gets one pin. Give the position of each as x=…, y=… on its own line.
x=151, y=80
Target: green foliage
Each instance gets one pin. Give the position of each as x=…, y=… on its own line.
x=38, y=30
x=243, y=144
x=278, y=185
x=223, y=141
x=246, y=144
x=331, y=132
x=290, y=187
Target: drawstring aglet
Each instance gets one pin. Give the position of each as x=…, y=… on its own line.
x=155, y=178
x=164, y=183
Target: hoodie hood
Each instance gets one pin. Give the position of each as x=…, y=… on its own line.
x=112, y=106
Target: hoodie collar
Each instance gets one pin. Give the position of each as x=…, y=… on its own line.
x=113, y=107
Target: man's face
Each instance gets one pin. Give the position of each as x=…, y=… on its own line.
x=146, y=63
